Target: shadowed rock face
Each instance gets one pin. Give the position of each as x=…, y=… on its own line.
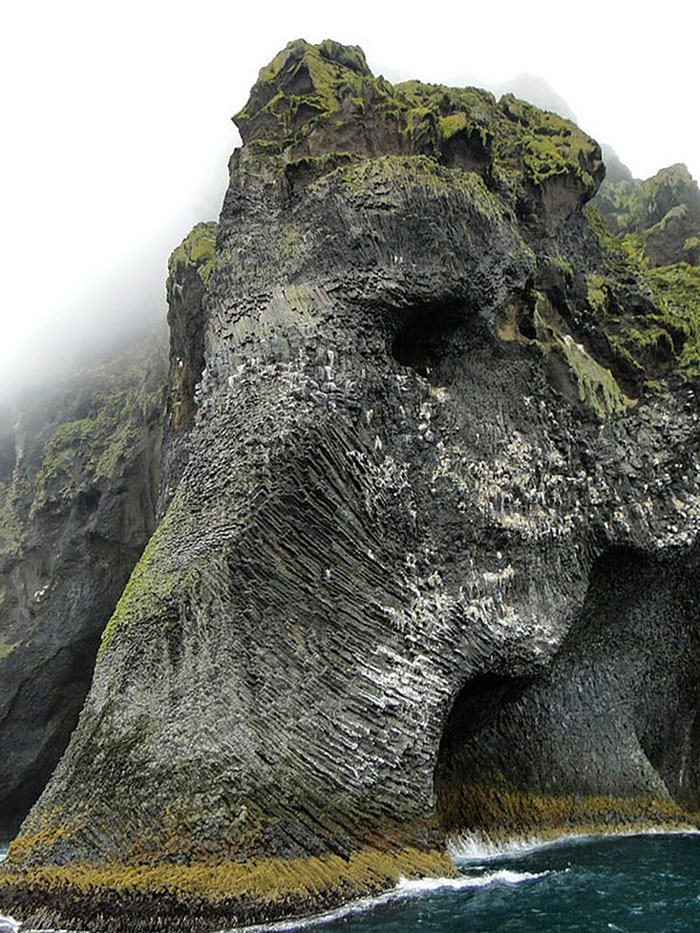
x=78, y=477
x=420, y=434
x=615, y=714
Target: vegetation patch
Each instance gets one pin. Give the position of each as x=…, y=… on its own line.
x=651, y=316
x=392, y=173
x=596, y=386
x=10, y=526
x=5, y=649
x=317, y=99
x=78, y=454
x=207, y=895
x=153, y=581
x=197, y=250
x=498, y=808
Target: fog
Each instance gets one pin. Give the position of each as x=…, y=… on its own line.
x=117, y=125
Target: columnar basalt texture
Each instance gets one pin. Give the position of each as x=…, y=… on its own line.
x=437, y=395
x=79, y=473
x=189, y=268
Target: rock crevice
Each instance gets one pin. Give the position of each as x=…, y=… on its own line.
x=433, y=520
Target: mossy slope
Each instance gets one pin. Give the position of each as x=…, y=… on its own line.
x=364, y=522
x=316, y=100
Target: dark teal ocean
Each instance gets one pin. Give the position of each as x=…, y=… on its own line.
x=631, y=883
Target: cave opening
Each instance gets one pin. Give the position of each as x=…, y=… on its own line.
x=475, y=708
x=467, y=151
x=612, y=719
x=433, y=339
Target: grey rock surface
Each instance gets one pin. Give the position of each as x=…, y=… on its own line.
x=80, y=472
x=434, y=528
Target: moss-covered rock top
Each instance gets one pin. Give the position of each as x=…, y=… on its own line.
x=313, y=100
x=196, y=251
x=659, y=216
x=318, y=117
x=189, y=268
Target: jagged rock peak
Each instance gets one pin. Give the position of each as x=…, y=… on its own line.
x=660, y=214
x=316, y=101
x=432, y=519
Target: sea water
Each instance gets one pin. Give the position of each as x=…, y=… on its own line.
x=638, y=883
x=629, y=883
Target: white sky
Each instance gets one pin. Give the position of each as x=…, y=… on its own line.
x=116, y=120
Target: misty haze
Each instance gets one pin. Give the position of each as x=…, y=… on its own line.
x=120, y=133
x=349, y=469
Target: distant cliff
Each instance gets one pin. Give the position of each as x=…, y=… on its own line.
x=79, y=476
x=431, y=497
x=659, y=216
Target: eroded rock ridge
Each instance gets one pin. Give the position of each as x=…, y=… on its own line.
x=428, y=559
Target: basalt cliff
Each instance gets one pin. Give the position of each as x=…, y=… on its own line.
x=427, y=561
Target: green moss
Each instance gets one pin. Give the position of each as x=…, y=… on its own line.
x=608, y=241
x=78, y=454
x=597, y=387
x=67, y=441
x=653, y=198
x=10, y=525
x=417, y=172
x=676, y=291
x=5, y=649
x=651, y=315
x=452, y=124
x=117, y=449
x=565, y=266
x=311, y=97
x=596, y=293
x=653, y=212
x=548, y=145
x=153, y=582
x=311, y=167
x=198, y=249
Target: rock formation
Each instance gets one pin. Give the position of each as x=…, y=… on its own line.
x=661, y=215
x=427, y=562
x=79, y=475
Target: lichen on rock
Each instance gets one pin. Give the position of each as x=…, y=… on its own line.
x=79, y=472
x=430, y=411
x=661, y=215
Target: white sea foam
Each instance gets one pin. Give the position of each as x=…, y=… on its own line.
x=404, y=889
x=479, y=847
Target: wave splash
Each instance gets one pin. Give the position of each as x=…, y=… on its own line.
x=479, y=847
x=404, y=889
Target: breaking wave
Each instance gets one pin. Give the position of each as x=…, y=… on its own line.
x=479, y=847
x=404, y=890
